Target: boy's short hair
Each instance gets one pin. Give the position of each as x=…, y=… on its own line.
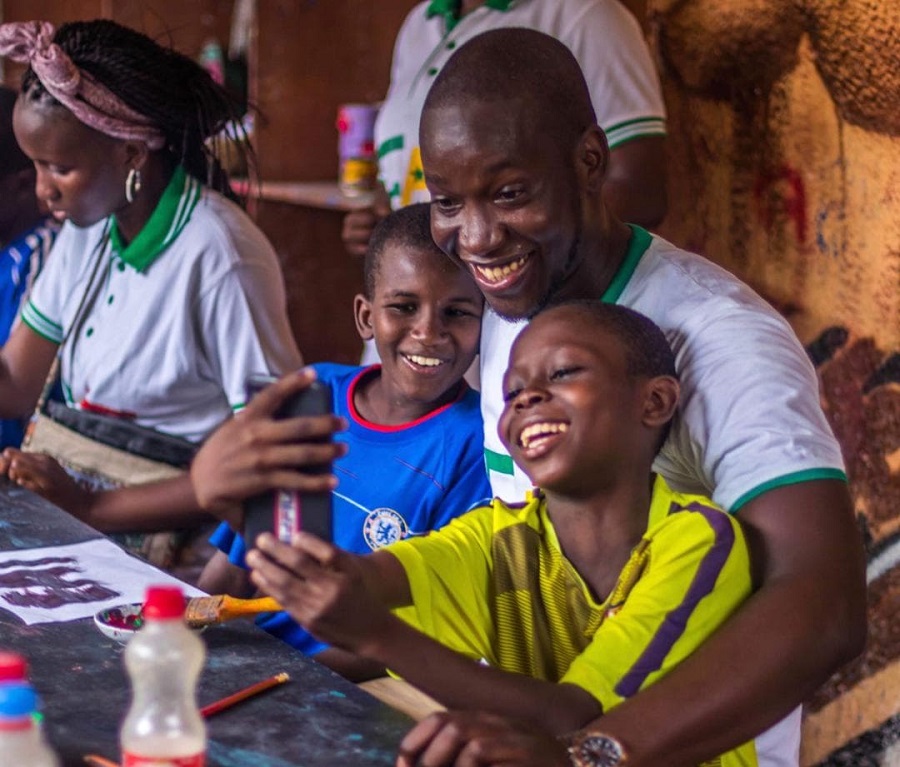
x=407, y=227
x=647, y=352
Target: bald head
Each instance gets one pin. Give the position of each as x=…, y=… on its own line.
x=524, y=67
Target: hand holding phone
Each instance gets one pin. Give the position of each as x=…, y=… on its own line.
x=284, y=512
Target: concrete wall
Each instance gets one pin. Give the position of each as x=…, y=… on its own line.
x=785, y=168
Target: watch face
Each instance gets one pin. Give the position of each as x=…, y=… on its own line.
x=600, y=751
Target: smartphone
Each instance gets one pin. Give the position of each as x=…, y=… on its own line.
x=284, y=512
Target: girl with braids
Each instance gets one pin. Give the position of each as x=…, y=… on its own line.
x=165, y=293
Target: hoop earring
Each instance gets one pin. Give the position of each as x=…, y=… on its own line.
x=132, y=184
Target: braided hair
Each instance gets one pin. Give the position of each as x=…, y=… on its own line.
x=175, y=93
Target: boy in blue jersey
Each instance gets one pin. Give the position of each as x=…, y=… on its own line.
x=593, y=589
x=414, y=433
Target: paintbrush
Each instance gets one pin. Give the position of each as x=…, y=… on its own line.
x=203, y=611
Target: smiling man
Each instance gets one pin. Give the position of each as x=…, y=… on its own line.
x=515, y=164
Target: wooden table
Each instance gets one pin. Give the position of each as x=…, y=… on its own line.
x=317, y=718
x=324, y=195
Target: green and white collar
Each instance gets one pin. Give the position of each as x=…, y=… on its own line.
x=449, y=9
x=164, y=225
x=637, y=246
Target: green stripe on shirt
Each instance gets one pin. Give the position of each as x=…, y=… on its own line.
x=637, y=246
x=41, y=324
x=807, y=475
x=393, y=144
x=502, y=464
x=625, y=132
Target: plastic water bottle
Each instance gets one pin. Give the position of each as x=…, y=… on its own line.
x=21, y=740
x=164, y=660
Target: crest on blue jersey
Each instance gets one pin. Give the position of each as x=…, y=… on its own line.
x=384, y=526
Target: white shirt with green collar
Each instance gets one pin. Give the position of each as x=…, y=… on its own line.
x=183, y=314
x=749, y=418
x=602, y=34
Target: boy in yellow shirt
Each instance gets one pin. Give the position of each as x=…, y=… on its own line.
x=555, y=610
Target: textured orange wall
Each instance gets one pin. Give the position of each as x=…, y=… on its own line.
x=784, y=122
x=786, y=131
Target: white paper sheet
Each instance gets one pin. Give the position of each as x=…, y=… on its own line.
x=63, y=583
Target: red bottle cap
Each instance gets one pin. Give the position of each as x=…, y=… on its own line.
x=13, y=667
x=164, y=603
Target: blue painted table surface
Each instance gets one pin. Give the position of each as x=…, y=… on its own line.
x=317, y=718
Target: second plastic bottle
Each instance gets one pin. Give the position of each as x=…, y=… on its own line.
x=164, y=660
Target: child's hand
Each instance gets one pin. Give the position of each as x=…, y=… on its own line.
x=322, y=587
x=219, y=576
x=254, y=452
x=476, y=738
x=43, y=475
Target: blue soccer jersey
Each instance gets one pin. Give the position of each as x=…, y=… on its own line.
x=20, y=263
x=395, y=481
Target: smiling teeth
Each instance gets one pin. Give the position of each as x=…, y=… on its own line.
x=497, y=273
x=538, y=431
x=425, y=362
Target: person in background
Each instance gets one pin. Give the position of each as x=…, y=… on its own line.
x=610, y=47
x=188, y=296
x=414, y=455
x=163, y=293
x=26, y=234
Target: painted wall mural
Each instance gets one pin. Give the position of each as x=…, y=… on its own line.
x=784, y=119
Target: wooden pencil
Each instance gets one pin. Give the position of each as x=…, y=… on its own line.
x=247, y=692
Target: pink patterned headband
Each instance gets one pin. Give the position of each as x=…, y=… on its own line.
x=31, y=42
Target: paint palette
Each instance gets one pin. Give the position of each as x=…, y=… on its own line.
x=121, y=622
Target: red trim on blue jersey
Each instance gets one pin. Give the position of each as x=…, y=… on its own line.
x=385, y=428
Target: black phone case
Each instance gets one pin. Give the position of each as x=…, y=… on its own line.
x=284, y=512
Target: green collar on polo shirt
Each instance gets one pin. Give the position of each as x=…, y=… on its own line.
x=450, y=9
x=171, y=214
x=637, y=246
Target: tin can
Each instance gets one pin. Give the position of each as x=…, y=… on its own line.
x=358, y=164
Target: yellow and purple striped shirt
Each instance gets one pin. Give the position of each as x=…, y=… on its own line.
x=495, y=585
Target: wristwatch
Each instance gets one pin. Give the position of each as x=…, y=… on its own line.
x=597, y=750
